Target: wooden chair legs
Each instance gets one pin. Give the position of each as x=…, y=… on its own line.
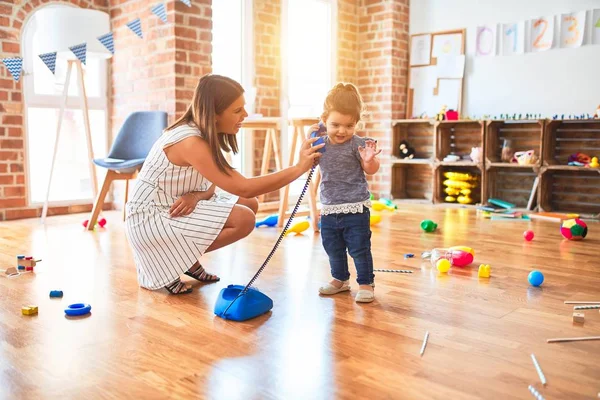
x=99, y=203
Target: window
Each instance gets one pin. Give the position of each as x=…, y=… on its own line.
x=71, y=181
x=232, y=56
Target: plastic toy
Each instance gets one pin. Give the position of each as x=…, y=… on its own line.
x=26, y=263
x=379, y=206
x=409, y=255
x=442, y=114
x=270, y=221
x=484, y=271
x=443, y=265
x=78, y=309
x=428, y=225
x=475, y=154
x=405, y=150
x=452, y=115
x=573, y=229
x=29, y=310
x=597, y=114
x=320, y=133
x=535, y=278
x=459, y=256
x=101, y=223
x=56, y=293
x=388, y=202
x=594, y=163
x=298, y=228
x=458, y=187
x=374, y=219
x=528, y=235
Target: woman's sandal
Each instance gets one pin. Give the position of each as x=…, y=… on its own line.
x=177, y=287
x=201, y=275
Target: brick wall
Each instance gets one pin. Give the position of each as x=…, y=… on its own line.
x=347, y=41
x=13, y=188
x=382, y=77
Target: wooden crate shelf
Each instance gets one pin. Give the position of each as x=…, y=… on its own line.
x=464, y=135
x=562, y=138
x=420, y=136
x=570, y=191
x=412, y=182
x=514, y=185
x=440, y=189
x=524, y=135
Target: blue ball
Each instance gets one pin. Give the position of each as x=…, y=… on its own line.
x=535, y=278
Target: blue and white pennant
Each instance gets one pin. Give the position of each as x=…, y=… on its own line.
x=187, y=2
x=136, y=27
x=80, y=51
x=14, y=66
x=108, y=42
x=160, y=11
x=50, y=60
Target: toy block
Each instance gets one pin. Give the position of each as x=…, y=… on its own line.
x=29, y=310
x=484, y=271
x=56, y=293
x=578, y=318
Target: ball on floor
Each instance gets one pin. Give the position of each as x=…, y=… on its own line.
x=535, y=278
x=573, y=229
x=528, y=235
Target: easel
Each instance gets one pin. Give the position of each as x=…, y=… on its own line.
x=271, y=125
x=86, y=124
x=299, y=124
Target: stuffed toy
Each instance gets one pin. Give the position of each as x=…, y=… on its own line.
x=406, y=151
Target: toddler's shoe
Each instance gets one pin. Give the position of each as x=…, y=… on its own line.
x=330, y=289
x=365, y=296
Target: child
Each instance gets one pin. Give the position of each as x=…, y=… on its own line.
x=345, y=216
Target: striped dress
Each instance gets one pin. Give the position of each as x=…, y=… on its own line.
x=164, y=247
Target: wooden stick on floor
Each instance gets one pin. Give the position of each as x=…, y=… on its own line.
x=424, y=342
x=573, y=339
x=539, y=370
x=582, y=302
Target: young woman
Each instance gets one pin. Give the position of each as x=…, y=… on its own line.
x=175, y=215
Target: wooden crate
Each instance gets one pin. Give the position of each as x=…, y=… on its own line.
x=570, y=191
x=467, y=134
x=412, y=182
x=525, y=135
x=420, y=135
x=514, y=185
x=440, y=189
x=563, y=138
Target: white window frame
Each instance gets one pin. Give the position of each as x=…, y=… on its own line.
x=31, y=99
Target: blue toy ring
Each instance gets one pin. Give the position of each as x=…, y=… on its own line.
x=78, y=309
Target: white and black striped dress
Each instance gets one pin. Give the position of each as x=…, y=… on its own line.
x=165, y=247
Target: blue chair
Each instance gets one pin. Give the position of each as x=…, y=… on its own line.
x=127, y=155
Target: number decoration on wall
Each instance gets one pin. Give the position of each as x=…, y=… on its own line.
x=572, y=29
x=596, y=26
x=513, y=38
x=542, y=33
x=486, y=40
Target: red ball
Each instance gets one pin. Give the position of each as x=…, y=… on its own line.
x=102, y=222
x=528, y=235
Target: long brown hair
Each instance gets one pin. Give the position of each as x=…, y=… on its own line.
x=213, y=95
x=345, y=99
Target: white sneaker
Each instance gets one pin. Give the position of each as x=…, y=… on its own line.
x=330, y=289
x=365, y=296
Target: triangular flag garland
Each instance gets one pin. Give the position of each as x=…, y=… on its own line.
x=187, y=2
x=79, y=51
x=136, y=27
x=50, y=60
x=160, y=11
x=108, y=42
x=14, y=66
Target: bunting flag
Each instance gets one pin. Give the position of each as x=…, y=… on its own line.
x=14, y=66
x=187, y=2
x=136, y=27
x=160, y=11
x=80, y=51
x=108, y=42
x=50, y=60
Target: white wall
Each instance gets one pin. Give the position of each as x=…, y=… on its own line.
x=558, y=81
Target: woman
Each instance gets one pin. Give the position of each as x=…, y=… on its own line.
x=174, y=215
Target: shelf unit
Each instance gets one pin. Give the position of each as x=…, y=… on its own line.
x=549, y=183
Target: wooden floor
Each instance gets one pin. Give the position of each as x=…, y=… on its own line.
x=150, y=345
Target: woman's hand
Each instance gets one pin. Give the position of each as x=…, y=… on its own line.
x=187, y=203
x=369, y=151
x=309, y=154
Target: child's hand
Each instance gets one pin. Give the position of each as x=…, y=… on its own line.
x=369, y=151
x=187, y=203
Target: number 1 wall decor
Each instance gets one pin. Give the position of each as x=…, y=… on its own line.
x=513, y=38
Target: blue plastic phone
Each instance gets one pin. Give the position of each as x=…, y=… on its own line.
x=321, y=135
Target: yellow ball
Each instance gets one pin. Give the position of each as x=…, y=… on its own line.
x=443, y=265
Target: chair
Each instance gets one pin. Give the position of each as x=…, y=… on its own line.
x=127, y=155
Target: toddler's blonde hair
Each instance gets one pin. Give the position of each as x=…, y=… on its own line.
x=345, y=99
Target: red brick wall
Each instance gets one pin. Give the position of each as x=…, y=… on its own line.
x=383, y=55
x=347, y=41
x=13, y=188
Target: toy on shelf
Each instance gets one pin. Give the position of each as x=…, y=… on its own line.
x=597, y=114
x=298, y=227
x=476, y=154
x=484, y=271
x=579, y=159
x=594, y=163
x=26, y=263
x=441, y=115
x=459, y=256
x=406, y=151
x=269, y=221
x=459, y=186
x=525, y=157
x=452, y=115
x=428, y=225
x=101, y=223
x=573, y=229
x=29, y=310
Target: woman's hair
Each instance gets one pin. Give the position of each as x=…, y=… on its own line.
x=213, y=95
x=345, y=99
